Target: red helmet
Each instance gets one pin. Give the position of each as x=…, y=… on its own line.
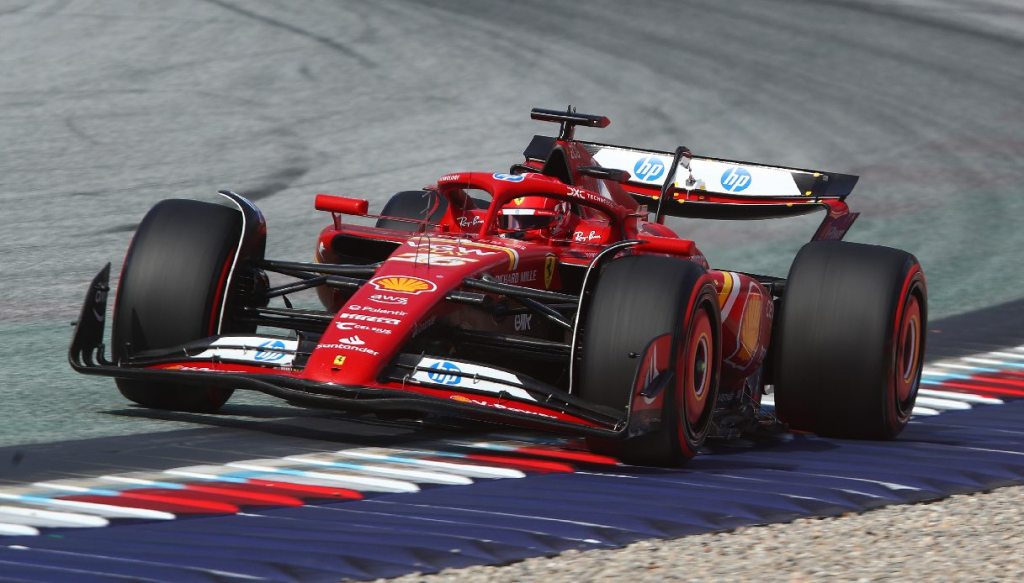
x=538, y=216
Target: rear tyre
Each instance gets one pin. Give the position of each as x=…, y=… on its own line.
x=850, y=340
x=419, y=205
x=172, y=288
x=640, y=300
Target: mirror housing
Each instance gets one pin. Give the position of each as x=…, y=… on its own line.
x=342, y=204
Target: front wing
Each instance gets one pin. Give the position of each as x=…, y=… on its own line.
x=208, y=362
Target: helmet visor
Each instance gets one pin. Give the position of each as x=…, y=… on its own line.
x=525, y=219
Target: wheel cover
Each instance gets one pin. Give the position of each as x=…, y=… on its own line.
x=908, y=352
x=697, y=364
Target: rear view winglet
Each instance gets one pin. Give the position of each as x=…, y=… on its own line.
x=88, y=339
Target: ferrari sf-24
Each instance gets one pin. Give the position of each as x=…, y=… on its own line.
x=552, y=297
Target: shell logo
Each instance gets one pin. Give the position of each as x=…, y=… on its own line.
x=403, y=284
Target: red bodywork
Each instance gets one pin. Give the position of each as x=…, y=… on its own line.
x=746, y=304
x=415, y=290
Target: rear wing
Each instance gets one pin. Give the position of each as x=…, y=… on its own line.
x=704, y=187
x=683, y=185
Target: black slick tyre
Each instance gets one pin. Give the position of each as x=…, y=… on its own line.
x=850, y=340
x=173, y=286
x=643, y=304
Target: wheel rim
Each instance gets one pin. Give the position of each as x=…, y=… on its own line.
x=698, y=365
x=908, y=352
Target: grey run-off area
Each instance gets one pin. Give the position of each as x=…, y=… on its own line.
x=107, y=107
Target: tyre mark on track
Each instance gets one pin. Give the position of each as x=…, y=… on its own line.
x=79, y=132
x=917, y=17
x=327, y=42
x=278, y=181
x=124, y=228
x=14, y=10
x=950, y=65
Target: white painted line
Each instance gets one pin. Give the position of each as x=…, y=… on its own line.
x=931, y=372
x=551, y=440
x=312, y=481
x=488, y=445
x=941, y=404
x=17, y=530
x=1013, y=355
x=327, y=477
x=966, y=397
x=134, y=481
x=889, y=485
x=391, y=471
x=105, y=510
x=49, y=518
x=1002, y=451
x=113, y=510
x=859, y=493
x=958, y=366
x=408, y=457
x=495, y=516
x=980, y=360
x=73, y=488
x=223, y=474
x=1001, y=363
x=931, y=402
x=208, y=472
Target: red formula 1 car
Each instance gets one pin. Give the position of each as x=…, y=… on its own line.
x=550, y=297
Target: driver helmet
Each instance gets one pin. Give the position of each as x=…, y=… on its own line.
x=537, y=216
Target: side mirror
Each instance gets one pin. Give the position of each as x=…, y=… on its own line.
x=342, y=204
x=678, y=247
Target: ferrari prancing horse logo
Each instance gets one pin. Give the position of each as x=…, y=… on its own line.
x=550, y=263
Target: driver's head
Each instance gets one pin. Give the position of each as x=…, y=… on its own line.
x=537, y=216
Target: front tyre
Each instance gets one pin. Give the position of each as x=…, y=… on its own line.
x=642, y=305
x=173, y=289
x=850, y=340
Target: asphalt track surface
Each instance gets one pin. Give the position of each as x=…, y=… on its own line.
x=107, y=107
